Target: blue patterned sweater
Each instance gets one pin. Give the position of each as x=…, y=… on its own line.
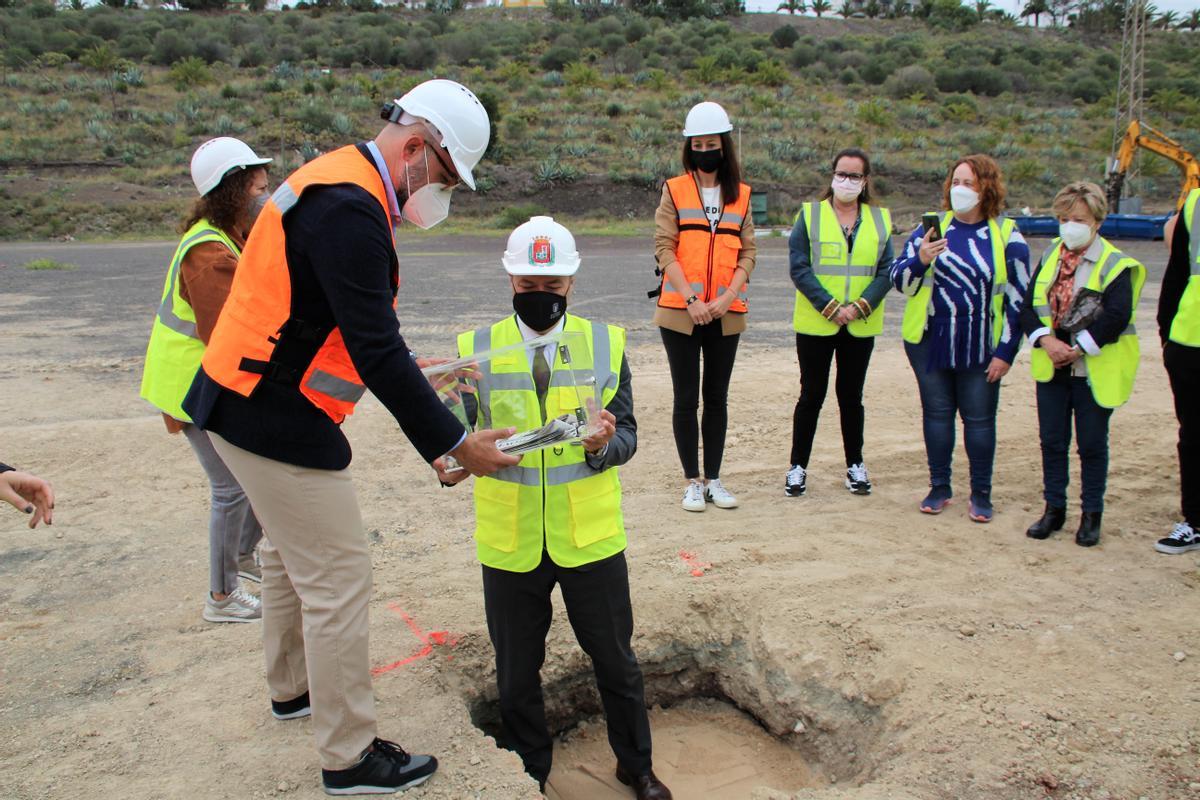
x=960, y=321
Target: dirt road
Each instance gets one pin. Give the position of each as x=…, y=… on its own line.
x=901, y=656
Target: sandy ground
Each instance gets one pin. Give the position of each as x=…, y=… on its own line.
x=898, y=655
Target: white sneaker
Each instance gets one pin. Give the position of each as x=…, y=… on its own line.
x=856, y=479
x=795, y=482
x=693, y=497
x=719, y=495
x=250, y=567
x=239, y=606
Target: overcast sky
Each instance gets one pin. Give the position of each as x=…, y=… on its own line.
x=1180, y=6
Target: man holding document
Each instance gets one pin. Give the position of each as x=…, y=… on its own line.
x=555, y=518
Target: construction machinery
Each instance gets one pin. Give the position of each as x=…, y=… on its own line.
x=1140, y=135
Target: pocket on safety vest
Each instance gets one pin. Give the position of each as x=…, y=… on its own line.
x=594, y=505
x=496, y=514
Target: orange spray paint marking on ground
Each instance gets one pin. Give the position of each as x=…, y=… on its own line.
x=429, y=640
x=697, y=566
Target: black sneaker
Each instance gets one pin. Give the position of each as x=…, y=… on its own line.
x=291, y=709
x=1182, y=539
x=385, y=769
x=794, y=484
x=856, y=479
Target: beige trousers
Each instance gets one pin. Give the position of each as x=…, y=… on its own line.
x=315, y=590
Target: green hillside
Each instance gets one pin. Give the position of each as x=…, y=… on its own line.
x=101, y=107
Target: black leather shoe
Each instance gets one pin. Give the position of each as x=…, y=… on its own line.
x=646, y=787
x=1088, y=534
x=1052, y=520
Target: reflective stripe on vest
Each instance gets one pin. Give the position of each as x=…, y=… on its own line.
x=707, y=257
x=174, y=351
x=1110, y=374
x=843, y=271
x=258, y=311
x=920, y=305
x=1185, y=328
x=553, y=499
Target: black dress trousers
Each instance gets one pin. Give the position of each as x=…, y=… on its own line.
x=596, y=596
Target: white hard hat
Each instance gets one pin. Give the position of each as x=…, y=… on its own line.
x=216, y=158
x=707, y=119
x=541, y=247
x=460, y=119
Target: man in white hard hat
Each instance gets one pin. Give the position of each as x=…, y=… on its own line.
x=556, y=517
x=308, y=327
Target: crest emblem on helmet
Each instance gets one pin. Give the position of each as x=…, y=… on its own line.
x=541, y=251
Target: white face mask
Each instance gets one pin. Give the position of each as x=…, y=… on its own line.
x=428, y=205
x=846, y=190
x=963, y=199
x=1074, y=234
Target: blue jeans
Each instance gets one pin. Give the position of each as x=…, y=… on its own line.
x=1057, y=400
x=945, y=393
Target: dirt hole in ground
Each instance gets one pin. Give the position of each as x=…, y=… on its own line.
x=725, y=721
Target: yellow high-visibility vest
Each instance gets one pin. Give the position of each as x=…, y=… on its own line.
x=175, y=349
x=1111, y=373
x=1185, y=328
x=916, y=312
x=553, y=498
x=845, y=272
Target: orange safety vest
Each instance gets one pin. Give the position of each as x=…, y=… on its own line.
x=708, y=257
x=257, y=314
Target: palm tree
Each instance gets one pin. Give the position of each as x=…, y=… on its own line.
x=793, y=6
x=1167, y=20
x=872, y=8
x=847, y=9
x=1035, y=9
x=983, y=8
x=1192, y=21
x=820, y=7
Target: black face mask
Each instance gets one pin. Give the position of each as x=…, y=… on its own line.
x=539, y=310
x=708, y=160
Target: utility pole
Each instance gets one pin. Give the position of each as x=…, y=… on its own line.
x=1130, y=84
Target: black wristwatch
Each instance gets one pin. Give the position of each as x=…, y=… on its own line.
x=692, y=299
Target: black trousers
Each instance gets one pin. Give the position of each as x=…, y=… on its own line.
x=518, y=617
x=1183, y=368
x=816, y=354
x=683, y=357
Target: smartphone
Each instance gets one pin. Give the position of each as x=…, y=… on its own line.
x=931, y=222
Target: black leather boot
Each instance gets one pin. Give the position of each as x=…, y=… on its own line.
x=1052, y=520
x=1088, y=534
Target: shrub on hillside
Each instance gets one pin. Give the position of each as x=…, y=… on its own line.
x=1085, y=86
x=911, y=81
x=802, y=55
x=784, y=37
x=977, y=78
x=170, y=46
x=189, y=73
x=557, y=57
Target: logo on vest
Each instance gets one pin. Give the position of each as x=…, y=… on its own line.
x=541, y=252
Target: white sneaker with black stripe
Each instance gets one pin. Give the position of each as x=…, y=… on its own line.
x=795, y=483
x=718, y=495
x=856, y=479
x=693, y=497
x=1182, y=539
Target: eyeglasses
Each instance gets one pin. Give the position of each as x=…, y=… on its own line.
x=849, y=176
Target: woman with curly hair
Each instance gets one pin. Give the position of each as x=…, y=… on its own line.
x=965, y=273
x=232, y=182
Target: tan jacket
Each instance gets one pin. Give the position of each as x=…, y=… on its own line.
x=666, y=238
x=204, y=280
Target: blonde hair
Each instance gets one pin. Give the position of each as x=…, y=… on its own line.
x=1084, y=192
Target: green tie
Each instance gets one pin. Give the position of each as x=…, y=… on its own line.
x=541, y=378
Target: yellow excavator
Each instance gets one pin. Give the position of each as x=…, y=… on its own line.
x=1139, y=134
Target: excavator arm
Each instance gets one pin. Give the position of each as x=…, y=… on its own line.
x=1141, y=135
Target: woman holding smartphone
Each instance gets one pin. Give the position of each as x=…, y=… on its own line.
x=965, y=275
x=704, y=245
